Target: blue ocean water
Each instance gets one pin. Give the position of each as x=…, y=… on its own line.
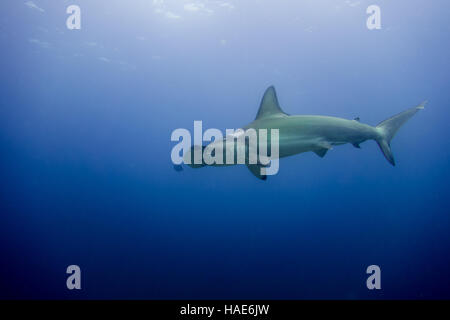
x=86, y=176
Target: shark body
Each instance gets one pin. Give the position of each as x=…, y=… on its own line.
x=304, y=133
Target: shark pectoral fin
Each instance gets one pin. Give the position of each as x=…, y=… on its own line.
x=321, y=152
x=322, y=148
x=255, y=169
x=356, y=145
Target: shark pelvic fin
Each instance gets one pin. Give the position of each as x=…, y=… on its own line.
x=321, y=152
x=269, y=105
x=357, y=119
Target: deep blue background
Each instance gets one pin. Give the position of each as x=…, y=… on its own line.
x=85, y=171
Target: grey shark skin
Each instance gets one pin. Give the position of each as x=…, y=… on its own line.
x=303, y=133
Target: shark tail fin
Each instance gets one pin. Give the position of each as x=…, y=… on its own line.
x=389, y=127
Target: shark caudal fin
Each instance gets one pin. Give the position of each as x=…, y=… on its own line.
x=389, y=127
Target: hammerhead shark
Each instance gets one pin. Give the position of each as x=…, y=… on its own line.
x=303, y=133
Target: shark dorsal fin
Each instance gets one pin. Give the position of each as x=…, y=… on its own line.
x=269, y=105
